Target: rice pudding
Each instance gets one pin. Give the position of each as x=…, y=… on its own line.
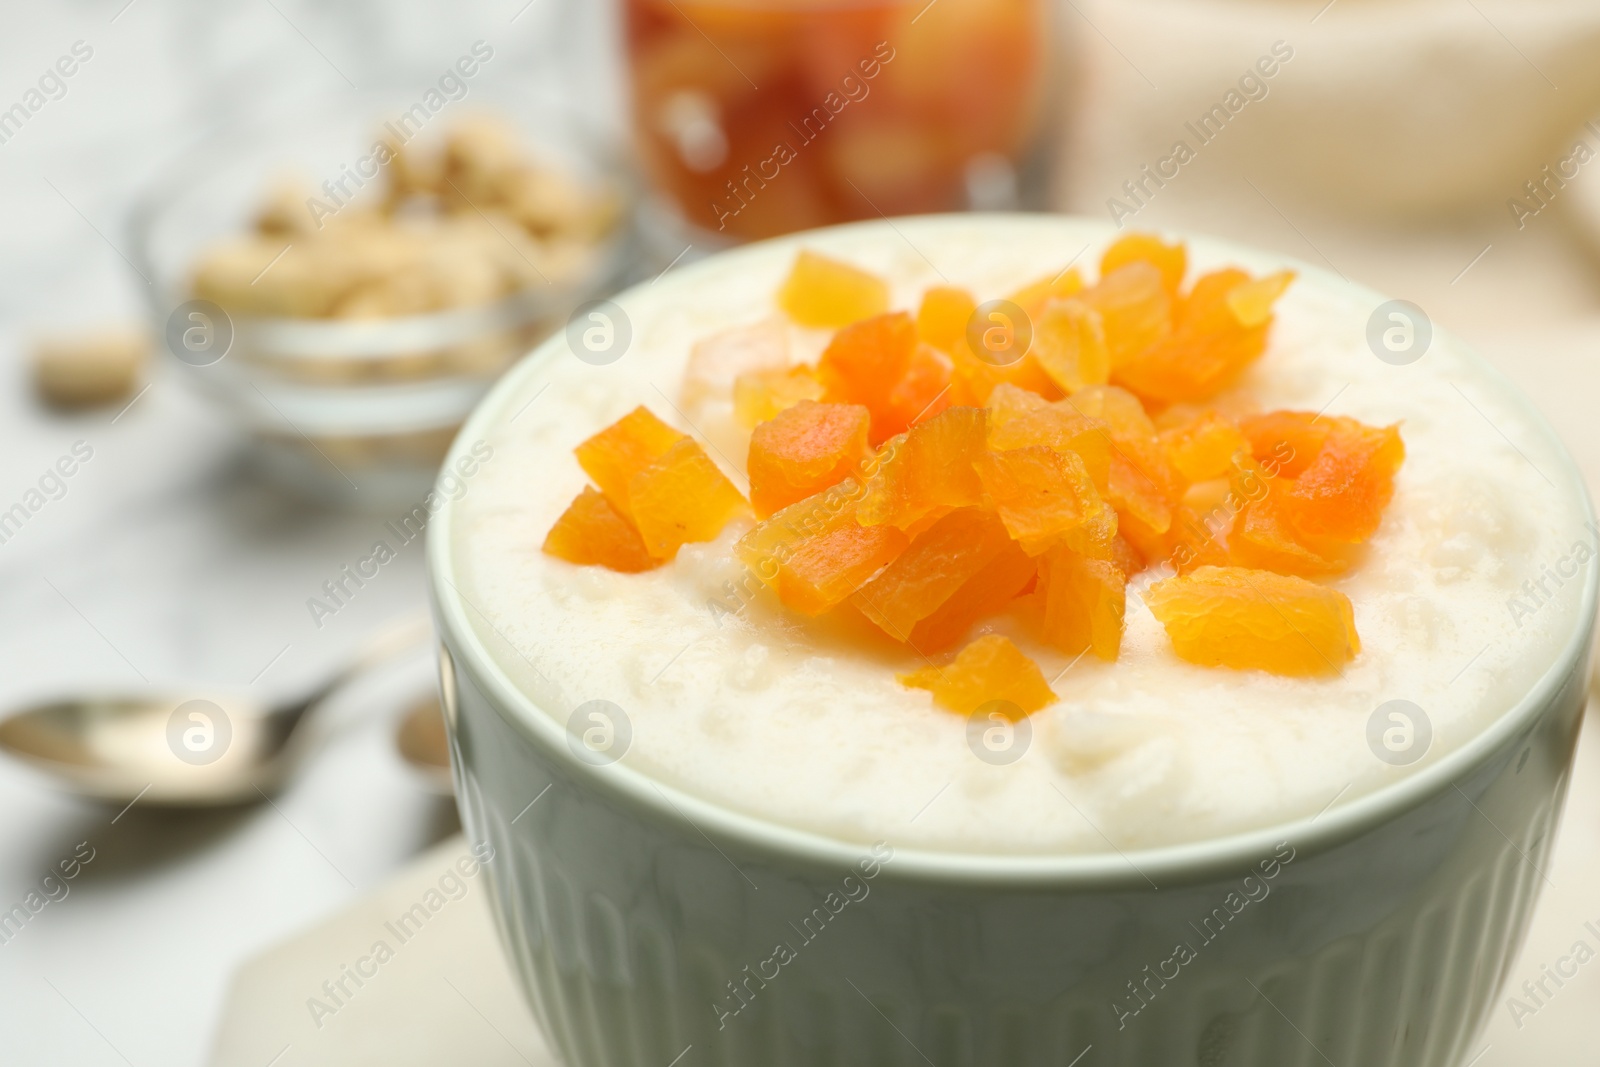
x=1463, y=595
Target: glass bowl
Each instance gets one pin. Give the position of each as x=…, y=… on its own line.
x=357, y=412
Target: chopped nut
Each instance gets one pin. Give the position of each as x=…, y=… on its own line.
x=89, y=369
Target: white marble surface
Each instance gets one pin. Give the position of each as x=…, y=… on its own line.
x=165, y=559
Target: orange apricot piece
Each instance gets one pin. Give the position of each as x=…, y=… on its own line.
x=1018, y=418
x=1256, y=620
x=975, y=379
x=1045, y=497
x=989, y=670
x=988, y=591
x=931, y=466
x=1171, y=260
x=1209, y=346
x=823, y=571
x=814, y=553
x=593, y=532
x=803, y=450
x=1084, y=603
x=922, y=391
x=1343, y=493
x=825, y=293
x=614, y=455
x=930, y=571
x=1141, y=482
x=1135, y=309
x=863, y=364
x=681, y=497
x=760, y=395
x=1204, y=447
x=1262, y=539
x=1069, y=342
x=1286, y=441
x=943, y=315
x=1187, y=543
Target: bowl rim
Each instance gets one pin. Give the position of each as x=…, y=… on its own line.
x=1176, y=863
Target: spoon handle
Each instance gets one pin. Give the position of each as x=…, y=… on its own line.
x=391, y=640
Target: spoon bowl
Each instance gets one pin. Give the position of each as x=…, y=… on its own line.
x=184, y=751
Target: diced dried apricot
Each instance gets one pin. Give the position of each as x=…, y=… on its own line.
x=1084, y=602
x=714, y=361
x=974, y=379
x=681, y=497
x=823, y=571
x=1189, y=542
x=1141, y=482
x=1208, y=348
x=989, y=669
x=931, y=466
x=814, y=554
x=825, y=293
x=988, y=591
x=1256, y=620
x=1342, y=494
x=1135, y=309
x=930, y=571
x=1126, y=556
x=1018, y=418
x=1204, y=448
x=1045, y=497
x=804, y=450
x=614, y=455
x=1251, y=303
x=760, y=395
x=1262, y=539
x=1286, y=441
x=863, y=364
x=922, y=391
x=593, y=532
x=943, y=316
x=1171, y=260
x=1033, y=297
x=1069, y=342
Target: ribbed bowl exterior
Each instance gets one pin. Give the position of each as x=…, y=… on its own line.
x=630, y=925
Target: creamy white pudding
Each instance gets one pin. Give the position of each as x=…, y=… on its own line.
x=1463, y=599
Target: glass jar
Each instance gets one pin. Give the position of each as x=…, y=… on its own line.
x=759, y=117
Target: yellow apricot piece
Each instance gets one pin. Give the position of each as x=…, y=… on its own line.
x=1069, y=342
x=1171, y=260
x=943, y=316
x=1251, y=302
x=1060, y=285
x=1084, y=603
x=825, y=293
x=761, y=395
x=1256, y=620
x=989, y=669
x=1203, y=448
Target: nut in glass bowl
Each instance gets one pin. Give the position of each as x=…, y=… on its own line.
x=345, y=288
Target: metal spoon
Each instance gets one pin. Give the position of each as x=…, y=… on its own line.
x=182, y=750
